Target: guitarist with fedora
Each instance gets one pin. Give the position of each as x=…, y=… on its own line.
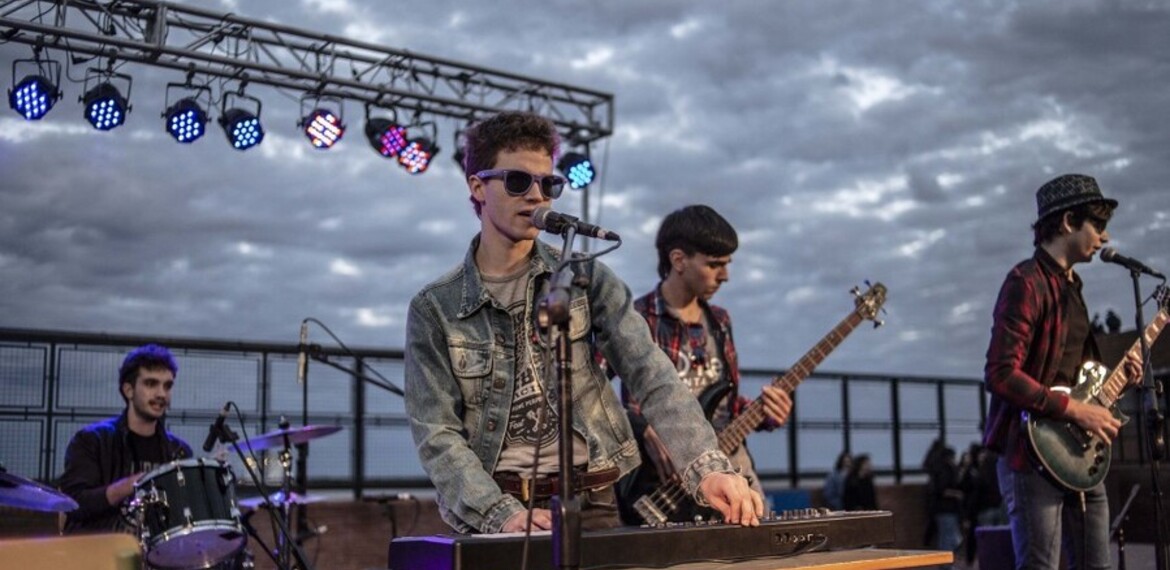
x=1039, y=338
x=694, y=245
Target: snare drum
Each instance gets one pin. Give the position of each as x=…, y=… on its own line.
x=187, y=514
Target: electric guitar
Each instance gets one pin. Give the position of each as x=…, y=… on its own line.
x=654, y=503
x=1069, y=455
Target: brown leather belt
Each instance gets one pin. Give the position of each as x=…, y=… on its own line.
x=546, y=486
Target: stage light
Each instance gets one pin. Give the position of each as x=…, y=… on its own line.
x=323, y=128
x=105, y=107
x=186, y=120
x=243, y=129
x=33, y=97
x=417, y=155
x=386, y=137
x=241, y=126
x=578, y=169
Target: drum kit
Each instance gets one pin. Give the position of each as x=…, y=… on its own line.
x=186, y=512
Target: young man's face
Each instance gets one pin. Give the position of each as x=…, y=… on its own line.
x=702, y=274
x=504, y=215
x=1084, y=242
x=150, y=394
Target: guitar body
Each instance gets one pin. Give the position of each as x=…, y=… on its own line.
x=633, y=488
x=1067, y=454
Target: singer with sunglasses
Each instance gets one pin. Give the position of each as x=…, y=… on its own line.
x=482, y=408
x=1040, y=336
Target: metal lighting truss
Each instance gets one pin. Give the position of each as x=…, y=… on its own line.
x=204, y=42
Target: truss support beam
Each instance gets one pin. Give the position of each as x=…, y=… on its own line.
x=208, y=43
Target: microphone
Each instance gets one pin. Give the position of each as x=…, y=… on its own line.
x=556, y=222
x=216, y=428
x=1110, y=255
x=303, y=355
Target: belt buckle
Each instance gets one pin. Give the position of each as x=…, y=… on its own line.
x=524, y=489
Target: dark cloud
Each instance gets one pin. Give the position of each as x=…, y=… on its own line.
x=845, y=141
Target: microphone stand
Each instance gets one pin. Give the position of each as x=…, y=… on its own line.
x=1161, y=559
x=553, y=313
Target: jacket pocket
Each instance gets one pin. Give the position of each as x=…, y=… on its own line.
x=471, y=363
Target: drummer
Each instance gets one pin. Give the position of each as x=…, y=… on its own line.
x=105, y=459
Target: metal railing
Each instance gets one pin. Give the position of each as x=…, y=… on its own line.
x=52, y=383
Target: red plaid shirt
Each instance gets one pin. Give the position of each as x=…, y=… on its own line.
x=1027, y=342
x=670, y=334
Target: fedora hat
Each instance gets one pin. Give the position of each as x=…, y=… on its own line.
x=1066, y=191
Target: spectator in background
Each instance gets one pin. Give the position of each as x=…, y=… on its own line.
x=834, y=491
x=860, y=494
x=945, y=502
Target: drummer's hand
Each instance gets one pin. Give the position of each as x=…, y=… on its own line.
x=119, y=490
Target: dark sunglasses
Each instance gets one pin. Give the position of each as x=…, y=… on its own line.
x=1098, y=223
x=517, y=182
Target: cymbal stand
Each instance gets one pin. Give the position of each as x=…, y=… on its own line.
x=284, y=552
x=290, y=549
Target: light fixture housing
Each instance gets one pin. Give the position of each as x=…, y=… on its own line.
x=33, y=97
x=578, y=169
x=186, y=121
x=323, y=128
x=386, y=136
x=418, y=154
x=241, y=126
x=105, y=106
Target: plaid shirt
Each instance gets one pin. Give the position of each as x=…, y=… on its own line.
x=1027, y=343
x=670, y=334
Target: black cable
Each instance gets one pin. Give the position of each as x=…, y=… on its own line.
x=388, y=384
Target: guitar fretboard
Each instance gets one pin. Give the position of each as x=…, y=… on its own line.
x=1119, y=379
x=732, y=436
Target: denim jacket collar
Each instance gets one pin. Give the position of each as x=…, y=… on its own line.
x=474, y=295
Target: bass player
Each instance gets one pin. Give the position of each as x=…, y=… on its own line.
x=694, y=245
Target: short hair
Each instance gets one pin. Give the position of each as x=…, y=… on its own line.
x=1048, y=227
x=508, y=131
x=148, y=356
x=694, y=229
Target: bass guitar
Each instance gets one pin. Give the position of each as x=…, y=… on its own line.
x=1069, y=455
x=658, y=503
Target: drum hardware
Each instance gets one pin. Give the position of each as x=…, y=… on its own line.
x=287, y=549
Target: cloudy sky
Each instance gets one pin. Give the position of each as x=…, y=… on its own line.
x=896, y=142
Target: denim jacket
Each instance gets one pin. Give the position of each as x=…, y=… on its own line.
x=459, y=385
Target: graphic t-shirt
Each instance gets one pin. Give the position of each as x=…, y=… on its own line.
x=525, y=428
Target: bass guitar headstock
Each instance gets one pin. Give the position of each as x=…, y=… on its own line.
x=870, y=302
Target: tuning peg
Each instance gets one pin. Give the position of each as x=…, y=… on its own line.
x=855, y=291
x=878, y=322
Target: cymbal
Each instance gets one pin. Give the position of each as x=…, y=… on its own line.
x=295, y=436
x=16, y=491
x=277, y=498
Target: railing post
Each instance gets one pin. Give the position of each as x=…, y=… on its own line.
x=941, y=406
x=359, y=428
x=846, y=417
x=896, y=404
x=52, y=387
x=793, y=443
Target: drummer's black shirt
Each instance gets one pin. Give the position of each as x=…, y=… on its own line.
x=146, y=452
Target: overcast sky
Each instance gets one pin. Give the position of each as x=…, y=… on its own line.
x=899, y=142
